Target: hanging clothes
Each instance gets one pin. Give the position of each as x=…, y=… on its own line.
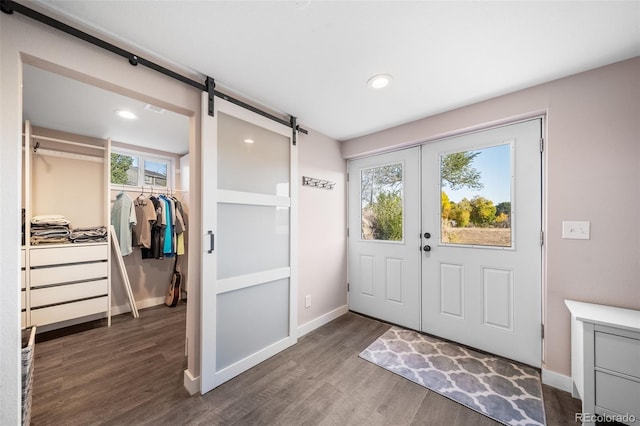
x=155, y=251
x=169, y=215
x=167, y=226
x=146, y=217
x=123, y=218
x=181, y=227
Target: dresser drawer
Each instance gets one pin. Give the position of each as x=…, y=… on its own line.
x=67, y=311
x=23, y=258
x=23, y=299
x=23, y=279
x=70, y=254
x=23, y=319
x=617, y=394
x=69, y=273
x=67, y=292
x=618, y=353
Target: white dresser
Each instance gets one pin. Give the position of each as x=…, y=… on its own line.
x=605, y=361
x=67, y=282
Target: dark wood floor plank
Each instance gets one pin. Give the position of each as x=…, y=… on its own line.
x=132, y=374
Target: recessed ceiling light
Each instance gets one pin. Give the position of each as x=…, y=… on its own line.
x=126, y=114
x=379, y=81
x=249, y=140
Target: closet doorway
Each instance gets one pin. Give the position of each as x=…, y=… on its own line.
x=144, y=156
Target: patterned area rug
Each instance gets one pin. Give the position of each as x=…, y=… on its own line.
x=504, y=391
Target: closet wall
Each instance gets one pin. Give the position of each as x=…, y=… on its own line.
x=72, y=187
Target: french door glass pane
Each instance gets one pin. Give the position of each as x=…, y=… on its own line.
x=251, y=158
x=476, y=197
x=381, y=192
x=252, y=239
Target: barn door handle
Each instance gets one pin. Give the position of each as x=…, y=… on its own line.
x=212, y=241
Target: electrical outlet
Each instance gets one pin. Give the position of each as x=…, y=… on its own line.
x=575, y=230
x=307, y=301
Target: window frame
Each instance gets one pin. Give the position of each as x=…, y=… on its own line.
x=142, y=157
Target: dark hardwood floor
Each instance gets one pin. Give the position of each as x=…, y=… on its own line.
x=132, y=374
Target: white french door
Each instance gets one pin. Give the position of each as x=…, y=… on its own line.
x=473, y=205
x=248, y=299
x=384, y=237
x=481, y=280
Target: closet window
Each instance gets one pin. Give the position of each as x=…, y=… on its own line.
x=155, y=173
x=137, y=169
x=124, y=169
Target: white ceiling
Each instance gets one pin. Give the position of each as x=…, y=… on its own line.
x=312, y=58
x=56, y=102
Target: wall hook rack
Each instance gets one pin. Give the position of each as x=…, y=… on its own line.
x=317, y=183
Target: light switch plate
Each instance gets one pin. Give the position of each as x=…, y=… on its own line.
x=576, y=230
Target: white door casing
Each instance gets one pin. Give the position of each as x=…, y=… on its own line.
x=249, y=223
x=487, y=297
x=384, y=276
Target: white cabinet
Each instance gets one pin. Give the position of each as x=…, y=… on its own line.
x=68, y=175
x=68, y=282
x=23, y=287
x=605, y=361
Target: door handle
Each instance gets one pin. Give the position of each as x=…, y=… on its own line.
x=426, y=248
x=427, y=235
x=212, y=240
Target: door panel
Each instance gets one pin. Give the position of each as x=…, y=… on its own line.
x=384, y=240
x=248, y=310
x=481, y=281
x=268, y=304
x=267, y=230
x=451, y=290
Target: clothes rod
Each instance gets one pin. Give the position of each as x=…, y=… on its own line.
x=9, y=6
x=85, y=145
x=62, y=154
x=145, y=188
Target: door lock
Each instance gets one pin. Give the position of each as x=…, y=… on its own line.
x=426, y=248
x=427, y=235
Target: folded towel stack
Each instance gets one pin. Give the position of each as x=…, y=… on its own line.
x=50, y=229
x=96, y=234
x=56, y=229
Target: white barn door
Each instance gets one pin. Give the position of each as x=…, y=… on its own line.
x=248, y=299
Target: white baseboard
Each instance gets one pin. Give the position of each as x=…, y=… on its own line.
x=191, y=384
x=140, y=304
x=321, y=320
x=556, y=380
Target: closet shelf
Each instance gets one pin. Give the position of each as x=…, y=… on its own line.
x=82, y=144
